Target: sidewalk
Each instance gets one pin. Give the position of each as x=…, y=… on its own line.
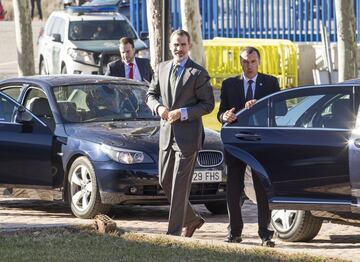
x=335, y=241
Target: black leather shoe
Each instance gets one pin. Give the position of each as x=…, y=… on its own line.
x=268, y=243
x=233, y=239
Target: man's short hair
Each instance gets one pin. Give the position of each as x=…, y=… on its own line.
x=249, y=50
x=126, y=40
x=181, y=32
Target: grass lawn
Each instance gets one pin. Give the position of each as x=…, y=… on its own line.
x=210, y=120
x=84, y=244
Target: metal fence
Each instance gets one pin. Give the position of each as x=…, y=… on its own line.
x=295, y=20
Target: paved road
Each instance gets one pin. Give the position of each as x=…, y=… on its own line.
x=8, y=53
x=335, y=241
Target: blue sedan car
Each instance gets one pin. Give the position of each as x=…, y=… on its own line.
x=94, y=138
x=304, y=144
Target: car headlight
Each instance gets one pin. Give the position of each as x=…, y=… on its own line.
x=126, y=156
x=144, y=53
x=82, y=56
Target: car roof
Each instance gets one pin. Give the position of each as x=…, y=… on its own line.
x=76, y=16
x=355, y=81
x=64, y=80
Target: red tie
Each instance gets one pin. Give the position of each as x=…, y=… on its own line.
x=131, y=72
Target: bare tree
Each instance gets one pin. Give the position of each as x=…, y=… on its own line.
x=24, y=43
x=345, y=21
x=154, y=15
x=191, y=22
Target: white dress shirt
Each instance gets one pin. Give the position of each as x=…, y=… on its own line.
x=137, y=75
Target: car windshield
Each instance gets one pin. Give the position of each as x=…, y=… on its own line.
x=100, y=30
x=102, y=102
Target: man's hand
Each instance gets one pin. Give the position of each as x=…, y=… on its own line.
x=163, y=112
x=174, y=115
x=249, y=104
x=229, y=116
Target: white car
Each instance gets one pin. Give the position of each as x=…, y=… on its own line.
x=83, y=40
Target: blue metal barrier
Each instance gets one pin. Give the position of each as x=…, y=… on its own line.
x=295, y=20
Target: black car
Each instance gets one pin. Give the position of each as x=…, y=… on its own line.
x=94, y=138
x=304, y=144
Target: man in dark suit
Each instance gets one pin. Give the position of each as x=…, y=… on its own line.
x=180, y=94
x=130, y=66
x=236, y=93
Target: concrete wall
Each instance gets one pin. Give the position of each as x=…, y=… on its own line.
x=312, y=56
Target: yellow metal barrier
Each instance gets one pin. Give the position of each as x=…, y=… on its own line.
x=278, y=58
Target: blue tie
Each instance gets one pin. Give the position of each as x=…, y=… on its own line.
x=249, y=92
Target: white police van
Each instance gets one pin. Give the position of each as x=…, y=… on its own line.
x=82, y=40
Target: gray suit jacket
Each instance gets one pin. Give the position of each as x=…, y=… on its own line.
x=117, y=68
x=193, y=91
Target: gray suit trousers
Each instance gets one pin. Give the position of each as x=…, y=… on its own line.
x=176, y=171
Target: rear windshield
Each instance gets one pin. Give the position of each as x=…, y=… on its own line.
x=100, y=30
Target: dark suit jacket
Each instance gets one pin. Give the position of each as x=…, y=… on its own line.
x=117, y=68
x=232, y=92
x=193, y=91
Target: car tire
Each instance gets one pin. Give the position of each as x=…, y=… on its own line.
x=83, y=190
x=295, y=225
x=42, y=69
x=217, y=207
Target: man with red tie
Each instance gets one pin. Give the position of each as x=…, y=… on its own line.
x=240, y=92
x=130, y=66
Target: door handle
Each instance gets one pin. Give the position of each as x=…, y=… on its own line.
x=248, y=136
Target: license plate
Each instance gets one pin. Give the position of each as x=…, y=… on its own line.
x=207, y=176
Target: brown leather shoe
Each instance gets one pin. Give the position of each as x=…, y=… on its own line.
x=190, y=229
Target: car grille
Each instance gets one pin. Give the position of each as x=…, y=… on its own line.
x=197, y=189
x=209, y=158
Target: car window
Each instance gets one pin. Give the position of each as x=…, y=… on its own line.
x=37, y=102
x=12, y=91
x=257, y=116
x=302, y=108
x=321, y=110
x=49, y=25
x=102, y=102
x=58, y=28
x=7, y=109
x=100, y=30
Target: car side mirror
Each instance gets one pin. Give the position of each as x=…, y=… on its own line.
x=144, y=35
x=23, y=116
x=56, y=38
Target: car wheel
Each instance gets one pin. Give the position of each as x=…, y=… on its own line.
x=42, y=70
x=83, y=190
x=63, y=70
x=295, y=225
x=217, y=207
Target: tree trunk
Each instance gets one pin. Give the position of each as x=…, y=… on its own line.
x=24, y=42
x=346, y=43
x=154, y=15
x=190, y=17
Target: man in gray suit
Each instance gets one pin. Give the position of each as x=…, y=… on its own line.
x=130, y=66
x=180, y=94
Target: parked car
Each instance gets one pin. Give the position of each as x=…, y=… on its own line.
x=83, y=40
x=94, y=138
x=304, y=144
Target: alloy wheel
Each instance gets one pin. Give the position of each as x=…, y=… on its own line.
x=283, y=220
x=81, y=187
